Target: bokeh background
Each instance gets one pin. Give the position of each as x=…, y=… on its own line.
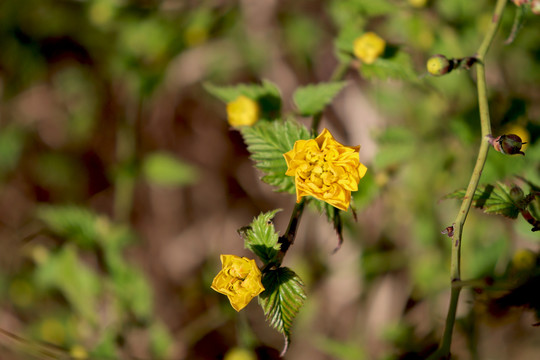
x=121, y=182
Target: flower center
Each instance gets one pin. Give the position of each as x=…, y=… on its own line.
x=319, y=170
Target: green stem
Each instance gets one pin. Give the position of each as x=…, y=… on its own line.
x=485, y=123
x=125, y=177
x=288, y=239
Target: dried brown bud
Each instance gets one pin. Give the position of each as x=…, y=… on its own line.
x=507, y=144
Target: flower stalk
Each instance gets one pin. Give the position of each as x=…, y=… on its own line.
x=485, y=122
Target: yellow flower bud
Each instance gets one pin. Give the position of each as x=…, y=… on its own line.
x=368, y=47
x=438, y=65
x=239, y=279
x=240, y=354
x=418, y=3
x=243, y=111
x=325, y=169
x=524, y=260
x=78, y=352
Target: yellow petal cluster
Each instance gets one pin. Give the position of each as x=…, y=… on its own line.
x=368, y=47
x=325, y=169
x=239, y=279
x=242, y=111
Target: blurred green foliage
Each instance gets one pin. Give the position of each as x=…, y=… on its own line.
x=102, y=104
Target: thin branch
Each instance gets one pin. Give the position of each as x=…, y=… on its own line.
x=485, y=122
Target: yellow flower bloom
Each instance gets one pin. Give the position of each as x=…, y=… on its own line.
x=243, y=111
x=325, y=169
x=368, y=47
x=239, y=279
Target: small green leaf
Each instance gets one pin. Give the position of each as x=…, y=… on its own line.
x=491, y=199
x=79, y=284
x=266, y=94
x=11, y=145
x=375, y=8
x=312, y=99
x=70, y=222
x=261, y=237
x=161, y=340
x=267, y=142
x=283, y=297
x=132, y=289
x=165, y=169
x=398, y=67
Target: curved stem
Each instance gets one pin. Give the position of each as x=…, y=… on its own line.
x=455, y=266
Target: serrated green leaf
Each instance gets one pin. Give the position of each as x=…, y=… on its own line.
x=70, y=222
x=398, y=67
x=491, y=199
x=266, y=94
x=312, y=99
x=267, y=142
x=165, y=169
x=283, y=297
x=261, y=237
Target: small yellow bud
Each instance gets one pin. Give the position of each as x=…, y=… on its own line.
x=418, y=3
x=438, y=65
x=240, y=354
x=78, y=352
x=523, y=260
x=243, y=111
x=368, y=47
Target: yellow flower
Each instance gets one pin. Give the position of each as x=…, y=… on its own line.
x=418, y=3
x=242, y=111
x=368, y=47
x=325, y=169
x=239, y=279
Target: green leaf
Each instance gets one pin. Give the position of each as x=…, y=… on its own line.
x=11, y=145
x=267, y=142
x=266, y=94
x=79, y=284
x=70, y=222
x=161, y=340
x=165, y=169
x=375, y=8
x=283, y=297
x=261, y=237
x=491, y=199
x=132, y=289
x=398, y=67
x=312, y=99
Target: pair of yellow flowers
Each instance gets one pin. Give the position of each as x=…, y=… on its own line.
x=322, y=168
